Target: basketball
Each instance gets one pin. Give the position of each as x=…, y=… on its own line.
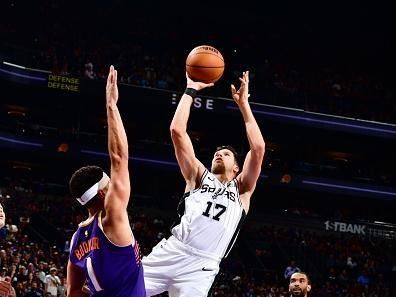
x=205, y=64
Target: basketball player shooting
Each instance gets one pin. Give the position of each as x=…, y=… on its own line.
x=213, y=207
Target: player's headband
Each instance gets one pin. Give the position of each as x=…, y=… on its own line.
x=92, y=191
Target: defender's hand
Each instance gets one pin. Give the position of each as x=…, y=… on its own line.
x=111, y=87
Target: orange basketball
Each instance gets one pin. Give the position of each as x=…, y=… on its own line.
x=205, y=64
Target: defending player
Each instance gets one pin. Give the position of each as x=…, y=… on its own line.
x=104, y=255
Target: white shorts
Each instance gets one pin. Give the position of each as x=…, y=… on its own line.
x=179, y=269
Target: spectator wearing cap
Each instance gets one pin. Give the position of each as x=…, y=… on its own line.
x=52, y=282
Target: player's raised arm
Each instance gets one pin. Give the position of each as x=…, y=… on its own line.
x=254, y=158
x=117, y=197
x=190, y=166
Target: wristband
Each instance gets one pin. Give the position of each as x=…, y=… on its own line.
x=191, y=92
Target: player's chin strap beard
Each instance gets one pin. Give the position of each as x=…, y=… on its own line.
x=93, y=191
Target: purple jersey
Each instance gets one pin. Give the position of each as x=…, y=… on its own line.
x=110, y=270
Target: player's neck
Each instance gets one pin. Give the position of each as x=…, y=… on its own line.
x=224, y=177
x=95, y=209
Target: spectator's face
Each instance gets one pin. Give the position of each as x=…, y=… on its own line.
x=16, y=259
x=2, y=216
x=298, y=285
x=20, y=286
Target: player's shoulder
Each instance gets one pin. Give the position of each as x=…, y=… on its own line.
x=234, y=184
x=204, y=174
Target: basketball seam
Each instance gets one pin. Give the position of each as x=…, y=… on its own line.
x=205, y=53
x=197, y=66
x=214, y=78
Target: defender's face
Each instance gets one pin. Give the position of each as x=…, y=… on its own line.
x=223, y=161
x=2, y=217
x=298, y=285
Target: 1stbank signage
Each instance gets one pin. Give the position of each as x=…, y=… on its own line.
x=345, y=227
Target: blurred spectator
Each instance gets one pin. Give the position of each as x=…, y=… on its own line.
x=363, y=279
x=351, y=263
x=292, y=268
x=343, y=278
x=11, y=228
x=34, y=291
x=42, y=269
x=62, y=287
x=89, y=73
x=52, y=282
x=2, y=216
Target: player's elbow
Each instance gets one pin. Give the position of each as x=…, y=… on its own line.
x=118, y=159
x=176, y=132
x=259, y=148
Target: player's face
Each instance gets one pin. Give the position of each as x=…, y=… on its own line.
x=2, y=217
x=223, y=160
x=298, y=285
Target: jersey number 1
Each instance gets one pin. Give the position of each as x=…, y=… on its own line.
x=217, y=206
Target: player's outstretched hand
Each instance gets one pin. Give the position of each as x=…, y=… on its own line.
x=197, y=85
x=111, y=87
x=242, y=94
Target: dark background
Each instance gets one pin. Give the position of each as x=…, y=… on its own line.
x=329, y=59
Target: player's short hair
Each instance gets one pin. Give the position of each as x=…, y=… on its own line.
x=234, y=152
x=306, y=275
x=84, y=178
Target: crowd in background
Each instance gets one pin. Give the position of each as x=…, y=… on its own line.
x=260, y=264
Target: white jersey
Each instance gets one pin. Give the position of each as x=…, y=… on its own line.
x=211, y=216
